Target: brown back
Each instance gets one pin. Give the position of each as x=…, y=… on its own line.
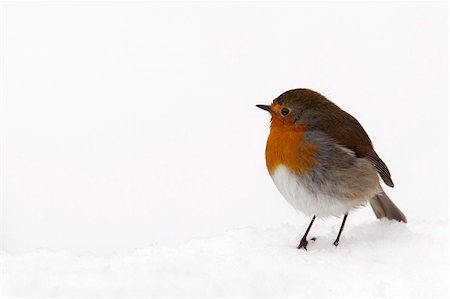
x=348, y=132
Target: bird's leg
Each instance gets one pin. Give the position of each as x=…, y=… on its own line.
x=303, y=241
x=336, y=242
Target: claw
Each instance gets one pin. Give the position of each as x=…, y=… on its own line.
x=303, y=244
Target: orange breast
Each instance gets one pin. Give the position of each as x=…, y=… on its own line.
x=286, y=146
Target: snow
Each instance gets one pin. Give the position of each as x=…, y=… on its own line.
x=132, y=153
x=375, y=258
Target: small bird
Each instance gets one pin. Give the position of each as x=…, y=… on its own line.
x=322, y=161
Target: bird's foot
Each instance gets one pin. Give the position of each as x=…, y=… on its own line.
x=304, y=243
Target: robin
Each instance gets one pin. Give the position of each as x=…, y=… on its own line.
x=322, y=161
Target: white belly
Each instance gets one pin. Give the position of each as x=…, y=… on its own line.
x=304, y=200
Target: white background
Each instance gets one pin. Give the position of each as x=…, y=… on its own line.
x=126, y=125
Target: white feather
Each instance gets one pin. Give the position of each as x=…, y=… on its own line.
x=304, y=200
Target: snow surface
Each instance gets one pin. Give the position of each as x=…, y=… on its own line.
x=133, y=125
x=374, y=259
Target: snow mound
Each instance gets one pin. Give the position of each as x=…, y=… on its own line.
x=379, y=258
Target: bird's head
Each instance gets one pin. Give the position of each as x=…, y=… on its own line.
x=297, y=107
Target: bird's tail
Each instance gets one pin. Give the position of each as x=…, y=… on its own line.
x=383, y=206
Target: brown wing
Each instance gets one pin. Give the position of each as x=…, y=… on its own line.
x=348, y=132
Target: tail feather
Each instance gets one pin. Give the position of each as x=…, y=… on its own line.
x=383, y=206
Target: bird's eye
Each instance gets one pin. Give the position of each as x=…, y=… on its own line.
x=285, y=111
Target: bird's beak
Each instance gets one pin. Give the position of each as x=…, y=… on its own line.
x=264, y=107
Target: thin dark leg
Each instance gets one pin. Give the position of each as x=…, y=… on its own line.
x=303, y=241
x=336, y=242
